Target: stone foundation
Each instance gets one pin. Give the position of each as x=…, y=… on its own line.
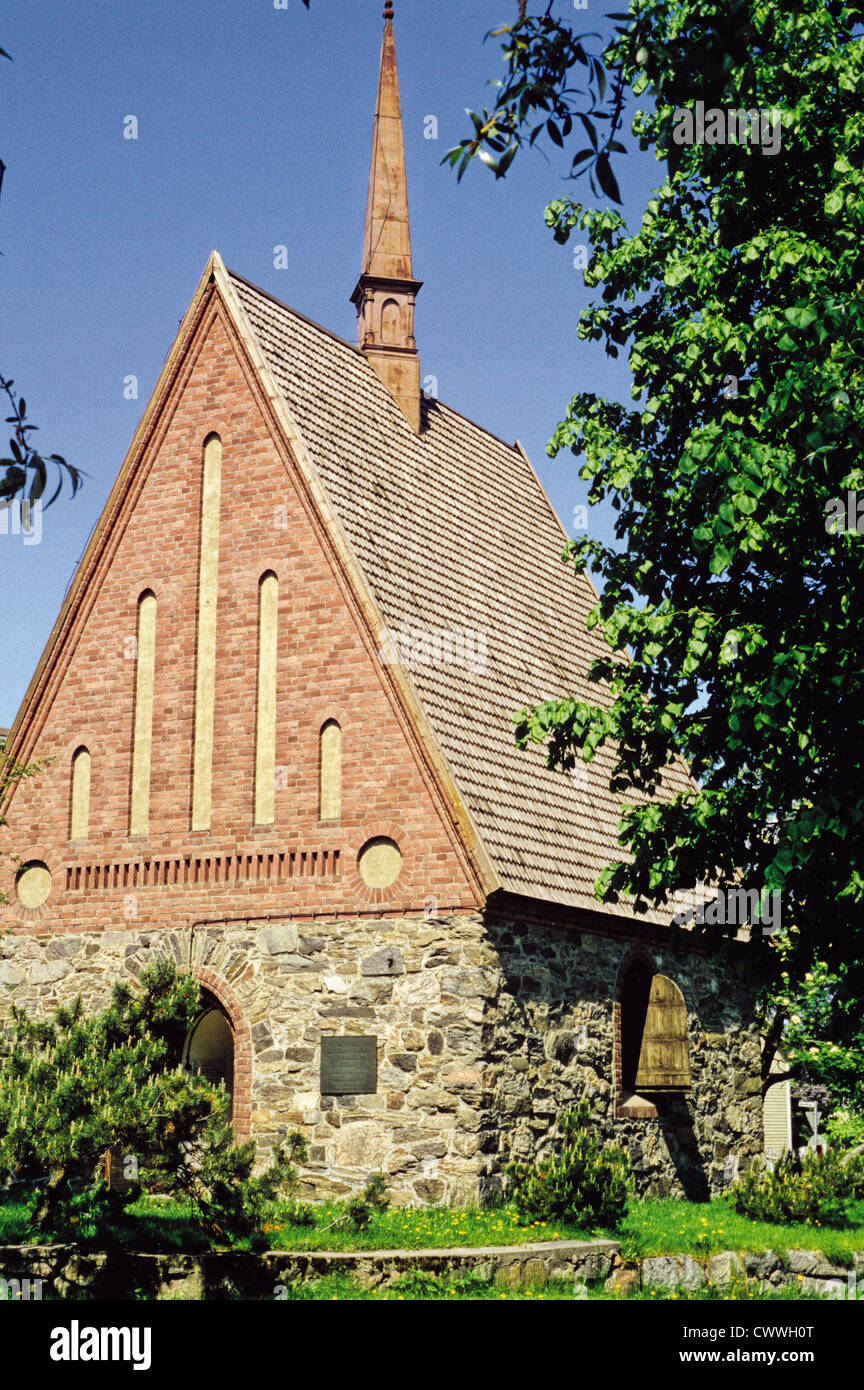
x=486, y=1029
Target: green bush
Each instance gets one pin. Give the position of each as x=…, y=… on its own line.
x=583, y=1182
x=372, y=1199
x=813, y=1190
x=73, y=1087
x=844, y=1129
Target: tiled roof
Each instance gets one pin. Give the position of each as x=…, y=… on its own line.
x=453, y=531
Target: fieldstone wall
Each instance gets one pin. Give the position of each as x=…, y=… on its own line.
x=67, y=1272
x=486, y=1029
x=421, y=986
x=553, y=1040
x=59, y=1272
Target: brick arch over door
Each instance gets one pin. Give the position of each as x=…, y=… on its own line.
x=241, y=1109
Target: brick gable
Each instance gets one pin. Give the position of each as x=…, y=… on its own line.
x=327, y=668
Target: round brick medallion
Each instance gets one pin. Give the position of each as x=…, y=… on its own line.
x=33, y=884
x=379, y=862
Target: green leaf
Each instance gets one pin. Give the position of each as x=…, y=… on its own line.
x=506, y=160
x=37, y=487
x=606, y=178
x=801, y=316
x=589, y=127
x=745, y=503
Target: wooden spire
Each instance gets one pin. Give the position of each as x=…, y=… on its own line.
x=386, y=291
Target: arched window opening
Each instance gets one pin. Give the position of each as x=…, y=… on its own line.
x=390, y=322
x=209, y=1047
x=635, y=991
x=655, y=1052
x=330, y=792
x=265, y=735
x=142, y=736
x=79, y=813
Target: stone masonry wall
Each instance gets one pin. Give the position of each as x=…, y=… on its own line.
x=486, y=1029
x=552, y=1039
x=416, y=984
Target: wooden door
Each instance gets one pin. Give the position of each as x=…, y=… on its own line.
x=664, y=1056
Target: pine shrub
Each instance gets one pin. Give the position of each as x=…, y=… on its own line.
x=73, y=1086
x=812, y=1190
x=372, y=1199
x=583, y=1182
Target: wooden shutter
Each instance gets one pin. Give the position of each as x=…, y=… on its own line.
x=664, y=1056
x=777, y=1113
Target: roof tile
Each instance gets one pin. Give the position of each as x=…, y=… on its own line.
x=454, y=532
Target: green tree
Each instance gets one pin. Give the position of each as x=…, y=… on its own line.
x=818, y=1048
x=731, y=602
x=72, y=1087
x=25, y=470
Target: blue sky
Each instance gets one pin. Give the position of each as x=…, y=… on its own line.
x=254, y=130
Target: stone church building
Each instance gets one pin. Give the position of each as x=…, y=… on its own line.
x=276, y=713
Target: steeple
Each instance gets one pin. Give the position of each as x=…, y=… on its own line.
x=386, y=291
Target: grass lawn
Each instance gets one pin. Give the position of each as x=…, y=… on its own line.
x=423, y=1287
x=655, y=1227
x=153, y=1224
x=652, y=1227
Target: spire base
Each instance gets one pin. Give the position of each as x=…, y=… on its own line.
x=385, y=333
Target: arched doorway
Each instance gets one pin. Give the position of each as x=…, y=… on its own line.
x=217, y=994
x=652, y=1050
x=635, y=990
x=655, y=1054
x=209, y=1047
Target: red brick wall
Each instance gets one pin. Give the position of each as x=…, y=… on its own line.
x=326, y=669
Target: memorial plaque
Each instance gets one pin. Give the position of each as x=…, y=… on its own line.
x=349, y=1066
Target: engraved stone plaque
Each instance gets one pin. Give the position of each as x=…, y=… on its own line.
x=349, y=1066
